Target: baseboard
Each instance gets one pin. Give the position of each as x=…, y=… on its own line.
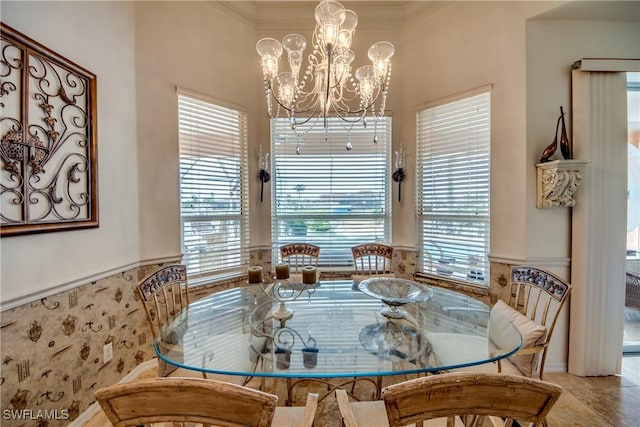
x=555, y=367
x=94, y=408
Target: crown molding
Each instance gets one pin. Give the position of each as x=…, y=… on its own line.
x=276, y=15
x=245, y=11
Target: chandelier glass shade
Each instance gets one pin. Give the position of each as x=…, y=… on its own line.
x=328, y=86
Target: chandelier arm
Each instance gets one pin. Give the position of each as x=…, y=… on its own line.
x=306, y=120
x=327, y=96
x=352, y=120
x=362, y=110
x=346, y=99
x=290, y=110
x=341, y=105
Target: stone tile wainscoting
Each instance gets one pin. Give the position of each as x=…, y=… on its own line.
x=52, y=349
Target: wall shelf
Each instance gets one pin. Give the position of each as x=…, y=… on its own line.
x=558, y=181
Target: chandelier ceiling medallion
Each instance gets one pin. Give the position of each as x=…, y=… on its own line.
x=327, y=87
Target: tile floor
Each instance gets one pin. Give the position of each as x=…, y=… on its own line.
x=599, y=401
x=604, y=401
x=612, y=401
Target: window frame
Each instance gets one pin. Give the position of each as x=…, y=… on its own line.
x=335, y=254
x=437, y=269
x=241, y=214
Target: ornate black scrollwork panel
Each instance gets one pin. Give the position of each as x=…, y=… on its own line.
x=48, y=172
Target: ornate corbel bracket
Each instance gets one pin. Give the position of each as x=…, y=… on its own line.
x=558, y=181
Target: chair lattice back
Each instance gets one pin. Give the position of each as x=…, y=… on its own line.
x=470, y=395
x=372, y=258
x=539, y=295
x=632, y=290
x=298, y=255
x=164, y=295
x=186, y=400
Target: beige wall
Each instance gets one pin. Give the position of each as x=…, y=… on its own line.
x=99, y=36
x=199, y=47
x=445, y=61
x=461, y=47
x=548, y=231
x=142, y=51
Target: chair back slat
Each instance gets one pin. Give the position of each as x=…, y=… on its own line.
x=182, y=400
x=164, y=294
x=299, y=255
x=470, y=394
x=539, y=295
x=372, y=258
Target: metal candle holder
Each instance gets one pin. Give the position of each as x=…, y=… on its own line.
x=283, y=291
x=285, y=338
x=263, y=175
x=399, y=174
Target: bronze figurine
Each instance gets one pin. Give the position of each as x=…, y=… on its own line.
x=565, y=148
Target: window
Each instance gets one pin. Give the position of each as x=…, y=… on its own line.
x=631, y=331
x=327, y=195
x=213, y=187
x=633, y=174
x=453, y=188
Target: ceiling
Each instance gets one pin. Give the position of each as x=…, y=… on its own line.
x=393, y=14
x=626, y=11
x=271, y=14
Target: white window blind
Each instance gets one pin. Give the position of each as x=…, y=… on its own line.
x=327, y=195
x=453, y=143
x=213, y=187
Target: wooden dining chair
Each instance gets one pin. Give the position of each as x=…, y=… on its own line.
x=299, y=255
x=197, y=400
x=372, y=259
x=165, y=297
x=535, y=301
x=455, y=399
x=533, y=305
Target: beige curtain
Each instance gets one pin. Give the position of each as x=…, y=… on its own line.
x=599, y=112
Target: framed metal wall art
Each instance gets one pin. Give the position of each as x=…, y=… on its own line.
x=48, y=145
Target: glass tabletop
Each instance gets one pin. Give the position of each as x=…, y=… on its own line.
x=330, y=330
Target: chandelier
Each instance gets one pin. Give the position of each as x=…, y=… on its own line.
x=327, y=87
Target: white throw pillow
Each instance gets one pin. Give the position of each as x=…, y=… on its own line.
x=532, y=333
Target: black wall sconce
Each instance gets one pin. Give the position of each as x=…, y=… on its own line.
x=399, y=174
x=263, y=175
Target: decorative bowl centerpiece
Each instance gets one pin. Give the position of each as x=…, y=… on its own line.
x=395, y=293
x=392, y=340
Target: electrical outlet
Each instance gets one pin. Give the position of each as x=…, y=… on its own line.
x=107, y=352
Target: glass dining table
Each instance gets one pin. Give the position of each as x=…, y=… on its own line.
x=330, y=330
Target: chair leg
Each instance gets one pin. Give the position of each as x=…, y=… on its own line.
x=378, y=393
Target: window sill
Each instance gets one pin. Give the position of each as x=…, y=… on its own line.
x=216, y=280
x=475, y=290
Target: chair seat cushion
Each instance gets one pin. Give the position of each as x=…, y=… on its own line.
x=288, y=416
x=452, y=349
x=531, y=332
x=370, y=414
